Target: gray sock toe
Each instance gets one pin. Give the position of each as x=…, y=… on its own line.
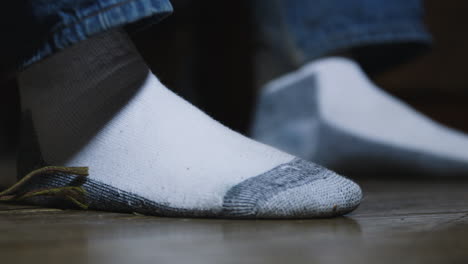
x=298, y=189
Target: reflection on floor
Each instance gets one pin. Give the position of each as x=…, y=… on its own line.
x=398, y=222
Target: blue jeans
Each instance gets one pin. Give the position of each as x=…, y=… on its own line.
x=379, y=33
x=34, y=29
x=296, y=30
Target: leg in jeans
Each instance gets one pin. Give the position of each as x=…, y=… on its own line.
x=327, y=110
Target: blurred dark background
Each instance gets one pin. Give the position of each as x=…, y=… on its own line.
x=204, y=52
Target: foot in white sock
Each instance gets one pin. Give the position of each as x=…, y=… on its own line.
x=331, y=113
x=96, y=104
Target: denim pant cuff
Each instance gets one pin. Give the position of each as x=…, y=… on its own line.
x=337, y=40
x=109, y=14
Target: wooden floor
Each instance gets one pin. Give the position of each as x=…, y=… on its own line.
x=398, y=222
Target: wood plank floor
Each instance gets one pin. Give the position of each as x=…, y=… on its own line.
x=398, y=222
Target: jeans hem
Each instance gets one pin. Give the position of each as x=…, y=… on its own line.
x=371, y=34
x=117, y=15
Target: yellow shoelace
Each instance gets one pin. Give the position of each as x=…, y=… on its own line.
x=72, y=193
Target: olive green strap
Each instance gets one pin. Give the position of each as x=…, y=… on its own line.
x=72, y=193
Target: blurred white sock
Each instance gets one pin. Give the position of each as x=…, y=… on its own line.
x=330, y=112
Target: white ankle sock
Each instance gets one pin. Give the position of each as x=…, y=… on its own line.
x=329, y=111
x=96, y=104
